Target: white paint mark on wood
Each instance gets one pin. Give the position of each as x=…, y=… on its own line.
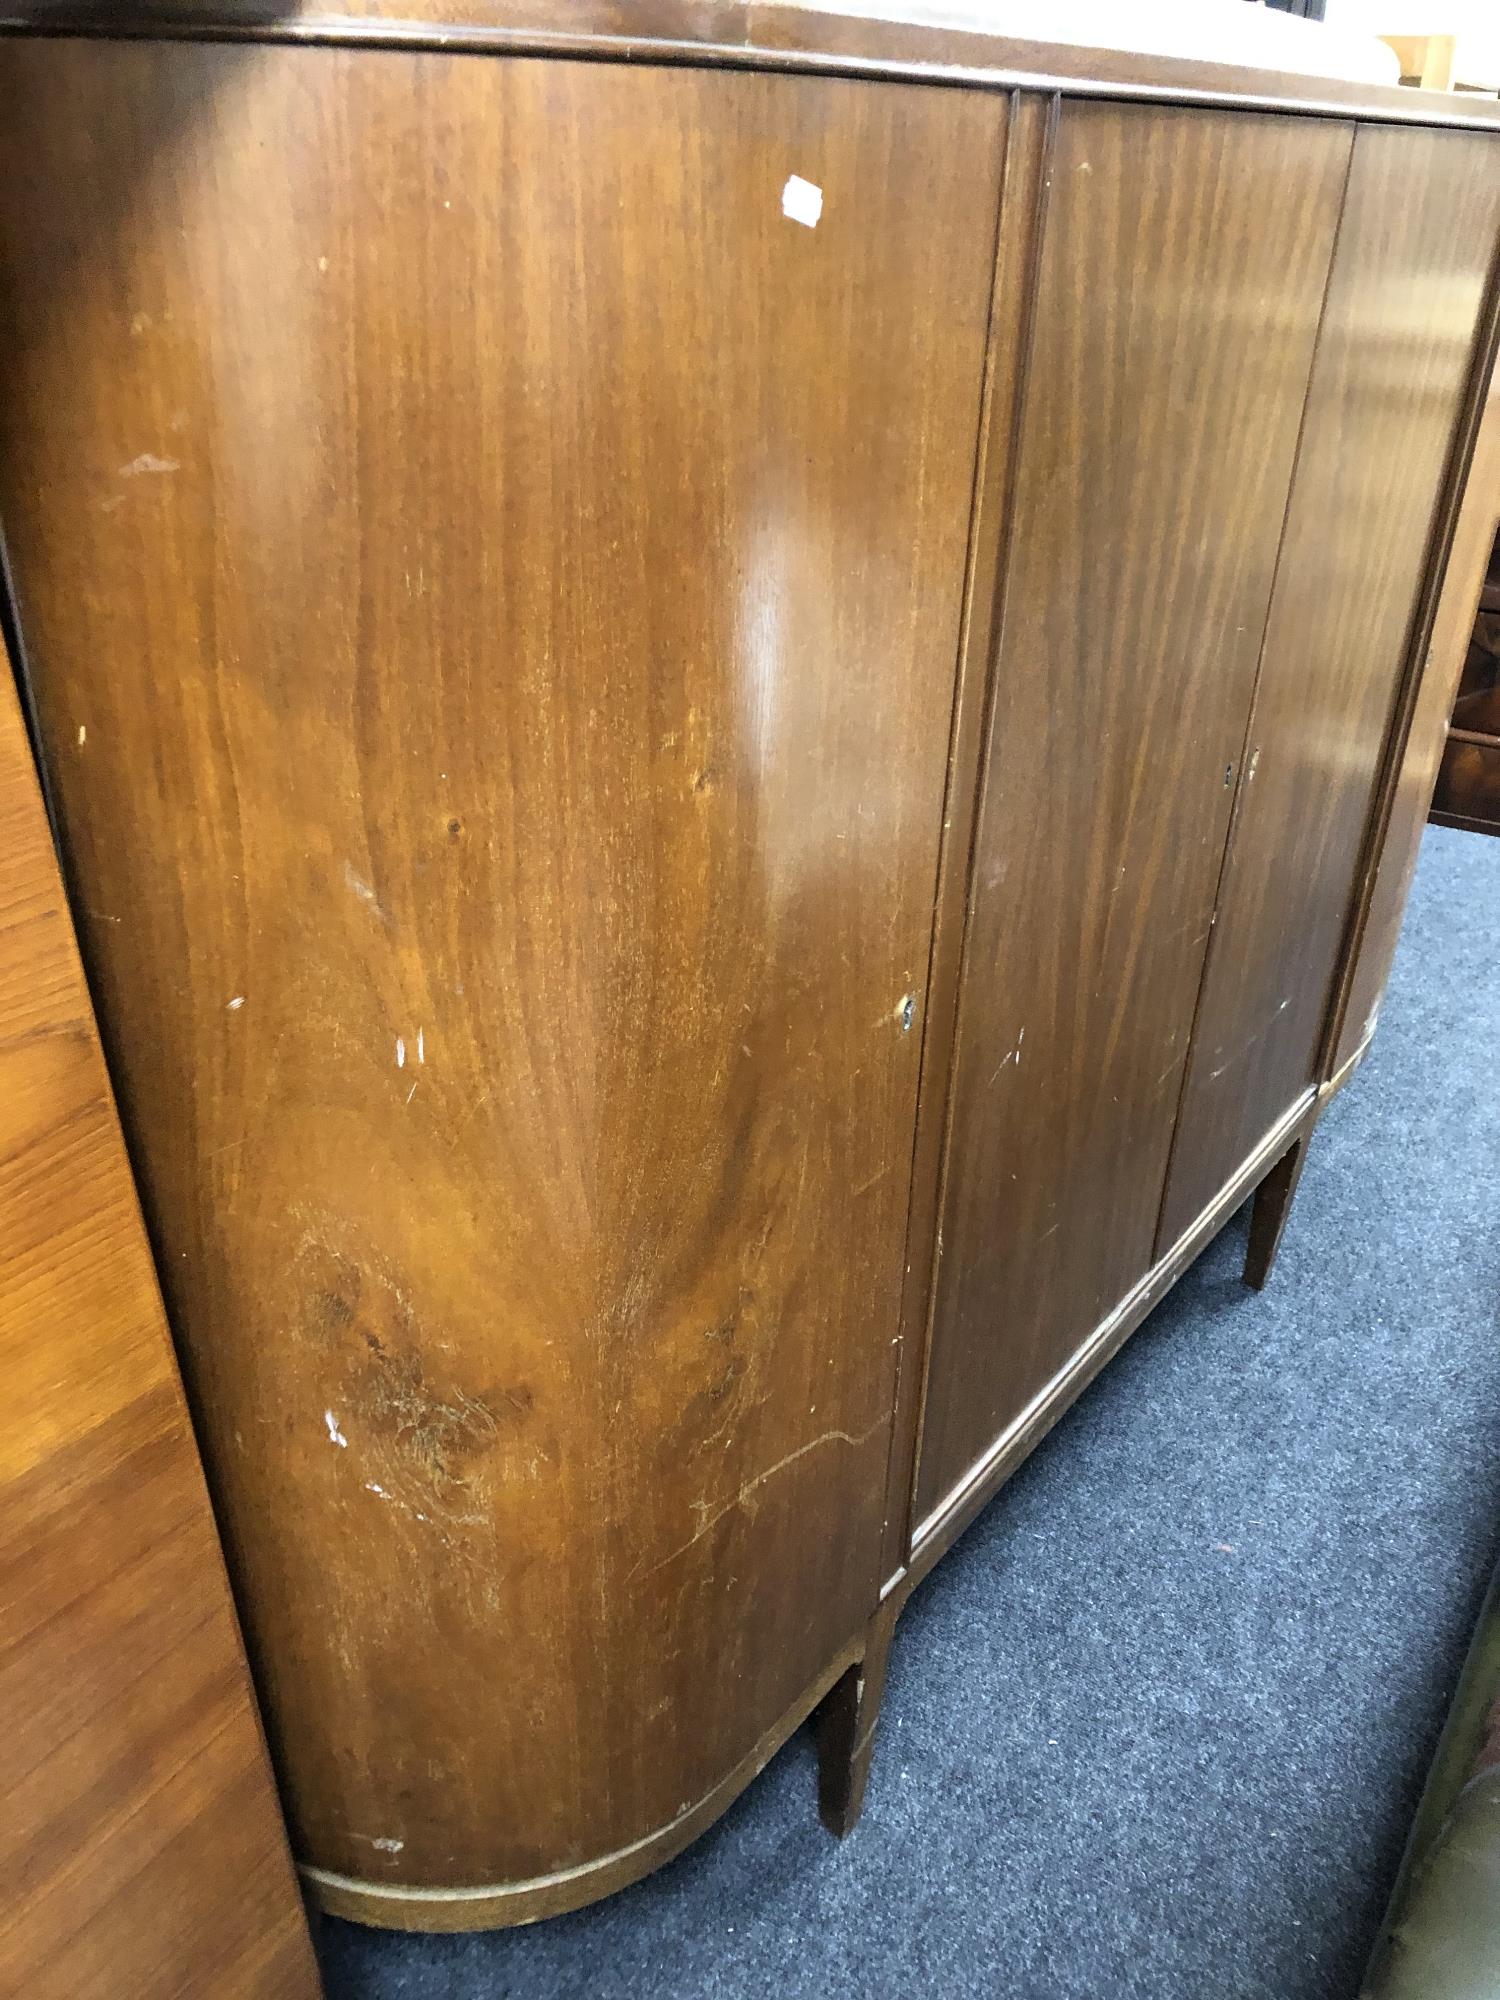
x=358, y=886
x=802, y=201
x=149, y=462
x=335, y=1435
x=400, y=1053
x=236, y=1003
x=83, y=732
x=421, y=1047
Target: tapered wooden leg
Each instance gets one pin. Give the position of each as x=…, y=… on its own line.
x=845, y=1727
x=1273, y=1203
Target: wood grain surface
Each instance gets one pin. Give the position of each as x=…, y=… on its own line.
x=1159, y=428
x=141, y=1847
x=1475, y=529
x=1022, y=204
x=1394, y=360
x=499, y=709
x=568, y=677
x=951, y=44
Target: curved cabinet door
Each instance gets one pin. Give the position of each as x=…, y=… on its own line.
x=491, y=580
x=1158, y=432
x=1394, y=360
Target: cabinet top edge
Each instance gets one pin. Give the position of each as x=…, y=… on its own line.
x=755, y=34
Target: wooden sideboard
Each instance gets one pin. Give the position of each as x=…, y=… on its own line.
x=737, y=704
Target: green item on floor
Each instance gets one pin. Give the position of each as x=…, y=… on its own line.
x=1441, y=1936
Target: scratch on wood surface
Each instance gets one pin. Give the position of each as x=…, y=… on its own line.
x=372, y=1486
x=480, y=1103
x=149, y=462
x=1238, y=1055
x=709, y=1513
x=437, y=1431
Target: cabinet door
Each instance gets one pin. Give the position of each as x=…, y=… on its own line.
x=1181, y=273
x=1452, y=636
x=492, y=582
x=1393, y=365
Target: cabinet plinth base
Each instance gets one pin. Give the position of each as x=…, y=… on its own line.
x=496, y=1906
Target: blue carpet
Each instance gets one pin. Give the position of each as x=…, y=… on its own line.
x=1158, y=1725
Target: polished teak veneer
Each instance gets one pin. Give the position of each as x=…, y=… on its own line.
x=712, y=839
